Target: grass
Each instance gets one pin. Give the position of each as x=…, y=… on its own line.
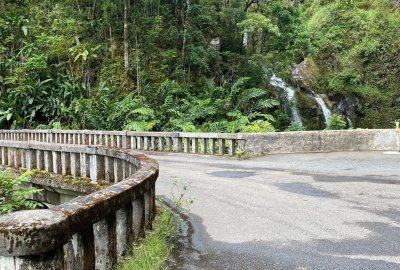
x=153, y=251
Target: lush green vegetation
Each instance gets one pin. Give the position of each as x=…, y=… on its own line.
x=356, y=47
x=181, y=65
x=14, y=195
x=153, y=251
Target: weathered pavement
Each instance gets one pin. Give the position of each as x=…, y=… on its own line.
x=298, y=211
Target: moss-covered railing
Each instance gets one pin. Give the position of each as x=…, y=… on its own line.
x=90, y=231
x=197, y=143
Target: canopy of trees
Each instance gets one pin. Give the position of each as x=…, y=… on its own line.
x=182, y=64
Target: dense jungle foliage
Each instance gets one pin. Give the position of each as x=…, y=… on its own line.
x=182, y=65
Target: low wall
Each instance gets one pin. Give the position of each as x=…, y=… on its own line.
x=321, y=141
x=88, y=232
x=256, y=144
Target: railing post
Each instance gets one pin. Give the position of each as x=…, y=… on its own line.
x=118, y=173
x=30, y=156
x=75, y=164
x=85, y=165
x=231, y=147
x=48, y=161
x=40, y=160
x=195, y=147
x=203, y=148
x=124, y=230
x=177, y=144
x=96, y=168
x=109, y=169
x=56, y=162
x=186, y=145
x=211, y=142
x=221, y=146
x=160, y=144
x=105, y=243
x=65, y=163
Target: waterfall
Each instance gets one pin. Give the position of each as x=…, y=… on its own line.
x=349, y=121
x=325, y=110
x=290, y=98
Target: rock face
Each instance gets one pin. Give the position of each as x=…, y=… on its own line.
x=305, y=74
x=348, y=106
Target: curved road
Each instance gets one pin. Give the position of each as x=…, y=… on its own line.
x=297, y=211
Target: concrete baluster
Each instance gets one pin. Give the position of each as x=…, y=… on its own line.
x=75, y=164
x=118, y=170
x=107, y=140
x=105, y=241
x=10, y=158
x=195, y=146
x=177, y=144
x=167, y=144
x=211, y=142
x=146, y=143
x=138, y=216
x=221, y=146
x=4, y=155
x=186, y=145
x=30, y=156
x=48, y=161
x=95, y=139
x=56, y=162
x=96, y=168
x=153, y=143
x=118, y=141
x=65, y=163
x=124, y=230
x=84, y=249
x=133, y=142
x=231, y=147
x=126, y=142
x=39, y=160
x=203, y=147
x=85, y=165
x=109, y=169
x=160, y=144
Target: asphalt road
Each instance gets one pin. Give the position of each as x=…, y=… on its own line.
x=297, y=211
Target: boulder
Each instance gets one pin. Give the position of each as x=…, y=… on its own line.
x=305, y=74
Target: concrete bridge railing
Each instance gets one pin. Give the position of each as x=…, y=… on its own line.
x=179, y=142
x=255, y=144
x=87, y=232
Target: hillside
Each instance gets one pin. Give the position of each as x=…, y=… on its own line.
x=196, y=65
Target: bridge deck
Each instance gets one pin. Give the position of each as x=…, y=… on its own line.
x=298, y=211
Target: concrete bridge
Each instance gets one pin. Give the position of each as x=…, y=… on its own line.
x=298, y=211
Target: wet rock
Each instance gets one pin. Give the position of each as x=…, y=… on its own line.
x=348, y=106
x=305, y=74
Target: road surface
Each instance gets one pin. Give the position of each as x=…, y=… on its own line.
x=294, y=211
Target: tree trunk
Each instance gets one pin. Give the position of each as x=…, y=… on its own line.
x=185, y=22
x=126, y=36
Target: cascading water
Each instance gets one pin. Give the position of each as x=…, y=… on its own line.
x=325, y=110
x=349, y=122
x=289, y=96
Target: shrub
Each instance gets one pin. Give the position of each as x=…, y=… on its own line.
x=335, y=123
x=13, y=195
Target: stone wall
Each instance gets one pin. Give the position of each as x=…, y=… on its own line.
x=321, y=141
